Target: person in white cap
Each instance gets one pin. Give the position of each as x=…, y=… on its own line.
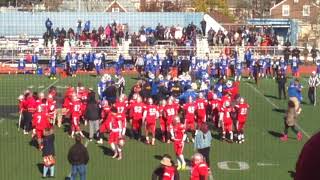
x=313, y=83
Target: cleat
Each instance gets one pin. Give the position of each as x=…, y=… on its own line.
x=100, y=141
x=163, y=139
x=299, y=136
x=115, y=155
x=179, y=167
x=284, y=138
x=183, y=167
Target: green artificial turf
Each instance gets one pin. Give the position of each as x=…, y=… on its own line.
x=263, y=156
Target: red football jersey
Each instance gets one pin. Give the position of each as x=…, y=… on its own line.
x=76, y=108
x=152, y=113
x=169, y=113
x=105, y=111
x=40, y=121
x=179, y=130
x=168, y=173
x=189, y=110
x=51, y=107
x=30, y=104
x=201, y=106
x=114, y=123
x=67, y=103
x=215, y=104
x=226, y=114
x=121, y=107
x=242, y=110
x=136, y=110
x=198, y=170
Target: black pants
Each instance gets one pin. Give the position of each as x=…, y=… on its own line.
x=27, y=120
x=286, y=127
x=206, y=154
x=203, y=30
x=311, y=94
x=282, y=90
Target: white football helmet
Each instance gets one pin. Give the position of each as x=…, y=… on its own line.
x=20, y=97
x=229, y=84
x=122, y=97
x=150, y=100
x=241, y=100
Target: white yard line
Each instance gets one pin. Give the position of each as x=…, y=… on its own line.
x=275, y=106
x=55, y=82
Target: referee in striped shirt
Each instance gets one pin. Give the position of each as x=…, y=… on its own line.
x=313, y=83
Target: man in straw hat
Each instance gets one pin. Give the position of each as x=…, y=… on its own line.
x=166, y=170
x=313, y=83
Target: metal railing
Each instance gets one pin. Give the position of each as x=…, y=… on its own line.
x=14, y=52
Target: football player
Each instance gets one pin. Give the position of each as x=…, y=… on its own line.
x=115, y=126
x=242, y=113
x=215, y=107
x=52, y=109
x=178, y=137
x=189, y=111
x=53, y=66
x=169, y=114
x=136, y=113
x=39, y=123
x=150, y=115
x=226, y=120
x=201, y=107
x=76, y=113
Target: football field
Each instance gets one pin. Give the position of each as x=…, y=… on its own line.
x=261, y=157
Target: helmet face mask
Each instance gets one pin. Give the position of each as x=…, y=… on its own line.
x=215, y=96
x=150, y=101
x=229, y=83
x=122, y=98
x=241, y=100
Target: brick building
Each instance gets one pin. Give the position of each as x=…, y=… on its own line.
x=303, y=10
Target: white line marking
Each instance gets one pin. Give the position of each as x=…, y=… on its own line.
x=40, y=87
x=30, y=87
x=274, y=105
x=267, y=164
x=55, y=82
x=62, y=87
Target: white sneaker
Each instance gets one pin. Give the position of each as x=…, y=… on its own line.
x=100, y=141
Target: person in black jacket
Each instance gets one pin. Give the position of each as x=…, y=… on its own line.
x=281, y=80
x=163, y=91
x=185, y=65
x=48, y=153
x=111, y=93
x=78, y=157
x=92, y=114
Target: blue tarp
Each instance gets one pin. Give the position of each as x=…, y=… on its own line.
x=16, y=23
